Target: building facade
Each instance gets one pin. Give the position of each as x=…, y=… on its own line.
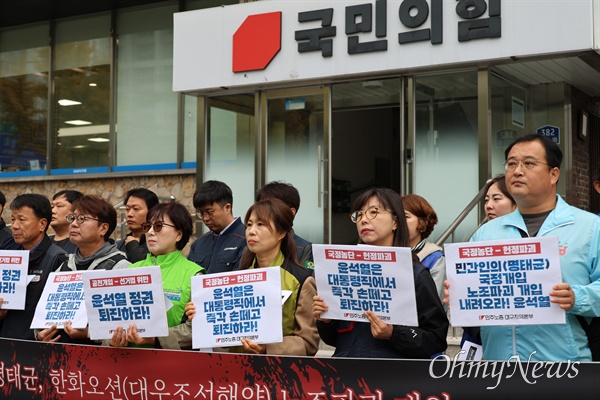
x=331, y=96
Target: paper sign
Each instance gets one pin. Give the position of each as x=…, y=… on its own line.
x=470, y=352
x=232, y=306
x=355, y=279
x=122, y=297
x=504, y=282
x=13, y=278
x=62, y=300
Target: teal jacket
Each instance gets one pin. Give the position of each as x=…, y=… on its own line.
x=578, y=235
x=176, y=272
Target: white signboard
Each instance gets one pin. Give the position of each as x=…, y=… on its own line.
x=504, y=282
x=267, y=42
x=62, y=300
x=232, y=306
x=355, y=279
x=122, y=297
x=13, y=279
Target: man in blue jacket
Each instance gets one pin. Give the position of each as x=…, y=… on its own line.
x=532, y=172
x=220, y=249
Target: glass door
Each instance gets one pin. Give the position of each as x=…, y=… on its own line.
x=295, y=149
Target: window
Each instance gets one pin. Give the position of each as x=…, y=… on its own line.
x=24, y=62
x=82, y=94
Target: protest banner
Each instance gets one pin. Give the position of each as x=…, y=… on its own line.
x=504, y=282
x=355, y=279
x=232, y=306
x=62, y=300
x=122, y=297
x=14, y=265
x=51, y=371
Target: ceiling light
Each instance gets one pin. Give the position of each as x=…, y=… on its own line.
x=95, y=130
x=78, y=122
x=99, y=139
x=67, y=102
x=93, y=84
x=372, y=84
x=79, y=146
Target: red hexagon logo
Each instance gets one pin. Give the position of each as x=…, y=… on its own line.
x=256, y=42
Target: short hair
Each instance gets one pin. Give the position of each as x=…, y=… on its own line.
x=283, y=191
x=501, y=181
x=597, y=177
x=554, y=155
x=212, y=192
x=179, y=216
x=99, y=208
x=2, y=199
x=38, y=203
x=421, y=209
x=70, y=195
x=275, y=211
x=391, y=201
x=149, y=197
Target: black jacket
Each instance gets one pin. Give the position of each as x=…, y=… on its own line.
x=219, y=253
x=354, y=339
x=6, y=240
x=45, y=258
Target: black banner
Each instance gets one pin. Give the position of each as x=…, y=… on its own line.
x=34, y=370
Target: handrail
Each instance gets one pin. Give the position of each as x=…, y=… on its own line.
x=461, y=217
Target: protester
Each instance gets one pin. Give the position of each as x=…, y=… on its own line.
x=6, y=240
x=92, y=222
x=62, y=205
x=168, y=230
x=287, y=193
x=138, y=202
x=271, y=243
x=532, y=173
x=420, y=219
x=379, y=218
x=220, y=249
x=498, y=201
x=31, y=214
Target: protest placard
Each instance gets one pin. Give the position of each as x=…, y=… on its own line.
x=355, y=279
x=232, y=306
x=62, y=300
x=122, y=297
x=14, y=265
x=504, y=282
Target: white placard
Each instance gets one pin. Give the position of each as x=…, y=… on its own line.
x=13, y=278
x=504, y=282
x=236, y=305
x=122, y=297
x=62, y=300
x=355, y=279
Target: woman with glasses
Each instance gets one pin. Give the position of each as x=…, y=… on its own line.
x=168, y=230
x=380, y=221
x=420, y=219
x=271, y=243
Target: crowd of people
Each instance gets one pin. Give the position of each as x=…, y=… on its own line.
x=521, y=203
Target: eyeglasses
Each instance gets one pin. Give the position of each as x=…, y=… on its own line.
x=80, y=218
x=207, y=214
x=157, y=226
x=526, y=164
x=370, y=212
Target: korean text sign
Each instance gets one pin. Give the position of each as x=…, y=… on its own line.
x=504, y=282
x=236, y=305
x=122, y=297
x=62, y=300
x=355, y=279
x=13, y=278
